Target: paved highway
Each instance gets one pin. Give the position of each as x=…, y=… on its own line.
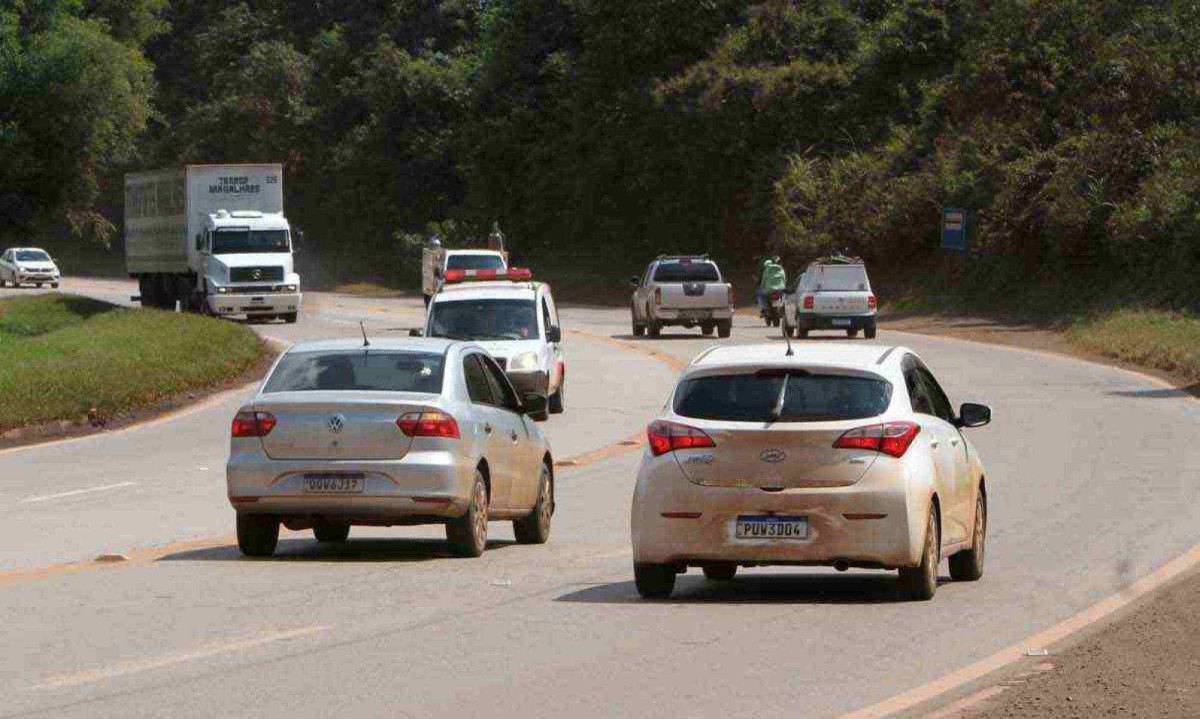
x=1094, y=477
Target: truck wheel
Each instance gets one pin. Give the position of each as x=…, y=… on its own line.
x=851, y=333
x=869, y=333
x=724, y=328
x=290, y=317
x=653, y=328
x=257, y=535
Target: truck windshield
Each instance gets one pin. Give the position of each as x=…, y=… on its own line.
x=235, y=242
x=809, y=398
x=687, y=272
x=32, y=256
x=484, y=320
x=474, y=262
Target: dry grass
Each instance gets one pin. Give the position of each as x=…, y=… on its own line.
x=1157, y=339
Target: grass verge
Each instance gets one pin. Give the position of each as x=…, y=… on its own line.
x=63, y=356
x=1158, y=339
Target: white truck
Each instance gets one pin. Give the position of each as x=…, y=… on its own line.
x=685, y=291
x=212, y=238
x=436, y=261
x=834, y=293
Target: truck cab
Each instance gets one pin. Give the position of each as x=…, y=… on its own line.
x=245, y=260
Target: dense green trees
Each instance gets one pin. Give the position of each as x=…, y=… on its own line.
x=592, y=126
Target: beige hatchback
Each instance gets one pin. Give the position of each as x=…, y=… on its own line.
x=838, y=455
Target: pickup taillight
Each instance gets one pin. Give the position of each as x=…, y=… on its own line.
x=658, y=295
x=731, y=302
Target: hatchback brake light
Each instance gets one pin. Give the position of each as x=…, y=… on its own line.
x=808, y=302
x=872, y=302
x=891, y=438
x=252, y=424
x=669, y=436
x=428, y=424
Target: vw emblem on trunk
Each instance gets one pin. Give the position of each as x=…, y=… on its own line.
x=257, y=274
x=772, y=456
x=336, y=423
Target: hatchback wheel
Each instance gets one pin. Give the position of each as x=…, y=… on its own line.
x=920, y=583
x=535, y=529
x=654, y=581
x=468, y=534
x=257, y=535
x=720, y=572
x=331, y=532
x=967, y=565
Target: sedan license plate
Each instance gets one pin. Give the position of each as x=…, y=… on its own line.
x=334, y=483
x=841, y=323
x=771, y=527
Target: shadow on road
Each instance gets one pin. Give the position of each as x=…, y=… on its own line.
x=1164, y=393
x=352, y=551
x=671, y=338
x=693, y=588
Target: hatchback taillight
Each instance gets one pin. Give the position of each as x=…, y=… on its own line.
x=892, y=438
x=872, y=302
x=669, y=436
x=428, y=424
x=252, y=424
x=808, y=302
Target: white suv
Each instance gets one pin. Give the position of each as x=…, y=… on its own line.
x=511, y=317
x=833, y=294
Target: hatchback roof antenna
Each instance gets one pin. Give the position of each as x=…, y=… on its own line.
x=362, y=325
x=787, y=338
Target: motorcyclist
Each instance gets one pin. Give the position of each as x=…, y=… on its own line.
x=771, y=278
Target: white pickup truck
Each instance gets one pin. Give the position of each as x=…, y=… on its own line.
x=437, y=261
x=833, y=294
x=685, y=291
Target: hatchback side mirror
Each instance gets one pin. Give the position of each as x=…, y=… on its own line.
x=974, y=415
x=416, y=332
x=554, y=334
x=535, y=406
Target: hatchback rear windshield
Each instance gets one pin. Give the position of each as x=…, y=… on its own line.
x=687, y=272
x=364, y=370
x=808, y=397
x=474, y=262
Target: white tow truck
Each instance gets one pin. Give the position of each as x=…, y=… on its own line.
x=834, y=293
x=436, y=261
x=510, y=316
x=212, y=238
x=683, y=290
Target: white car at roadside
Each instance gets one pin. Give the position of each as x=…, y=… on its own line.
x=28, y=266
x=838, y=455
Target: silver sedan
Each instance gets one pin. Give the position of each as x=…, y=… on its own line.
x=397, y=432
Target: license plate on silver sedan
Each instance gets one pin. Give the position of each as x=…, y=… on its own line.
x=334, y=483
x=771, y=527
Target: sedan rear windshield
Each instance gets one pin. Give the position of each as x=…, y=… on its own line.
x=808, y=397
x=687, y=272
x=474, y=262
x=363, y=370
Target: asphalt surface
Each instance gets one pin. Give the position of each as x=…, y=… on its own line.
x=1092, y=477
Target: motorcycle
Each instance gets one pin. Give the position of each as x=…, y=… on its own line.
x=772, y=312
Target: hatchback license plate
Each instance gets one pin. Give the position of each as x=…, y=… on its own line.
x=771, y=527
x=333, y=484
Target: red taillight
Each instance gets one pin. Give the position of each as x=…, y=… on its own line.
x=872, y=302
x=252, y=424
x=428, y=424
x=891, y=438
x=658, y=295
x=669, y=436
x=775, y=296
x=808, y=302
x=455, y=275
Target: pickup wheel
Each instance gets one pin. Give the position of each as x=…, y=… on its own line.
x=707, y=328
x=724, y=328
x=639, y=329
x=290, y=317
x=869, y=332
x=851, y=333
x=653, y=328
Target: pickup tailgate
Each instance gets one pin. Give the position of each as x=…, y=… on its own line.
x=693, y=295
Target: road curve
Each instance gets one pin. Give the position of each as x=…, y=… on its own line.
x=1093, y=483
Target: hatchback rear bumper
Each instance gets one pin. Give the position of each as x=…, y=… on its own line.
x=834, y=322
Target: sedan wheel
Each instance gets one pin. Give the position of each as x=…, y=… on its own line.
x=257, y=535
x=654, y=581
x=468, y=534
x=967, y=565
x=535, y=529
x=920, y=583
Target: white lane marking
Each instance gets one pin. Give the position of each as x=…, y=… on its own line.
x=75, y=493
x=150, y=663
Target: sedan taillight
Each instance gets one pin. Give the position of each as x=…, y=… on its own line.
x=891, y=438
x=669, y=436
x=428, y=424
x=252, y=424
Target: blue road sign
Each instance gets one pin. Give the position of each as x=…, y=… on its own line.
x=954, y=229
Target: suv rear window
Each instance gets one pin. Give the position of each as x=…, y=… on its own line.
x=371, y=370
x=809, y=397
x=841, y=278
x=687, y=272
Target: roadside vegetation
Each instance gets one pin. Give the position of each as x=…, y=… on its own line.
x=62, y=356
